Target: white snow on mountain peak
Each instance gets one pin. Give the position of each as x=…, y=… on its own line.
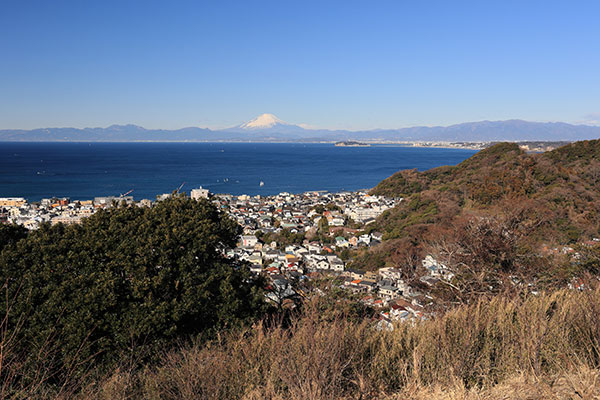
x=263, y=121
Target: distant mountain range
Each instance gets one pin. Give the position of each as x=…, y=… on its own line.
x=269, y=128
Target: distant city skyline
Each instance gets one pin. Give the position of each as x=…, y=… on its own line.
x=333, y=65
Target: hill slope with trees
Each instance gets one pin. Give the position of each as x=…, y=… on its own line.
x=501, y=216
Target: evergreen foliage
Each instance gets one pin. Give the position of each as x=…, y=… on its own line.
x=11, y=234
x=124, y=284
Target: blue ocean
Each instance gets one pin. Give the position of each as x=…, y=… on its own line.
x=86, y=170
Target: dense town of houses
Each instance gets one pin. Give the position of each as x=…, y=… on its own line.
x=347, y=215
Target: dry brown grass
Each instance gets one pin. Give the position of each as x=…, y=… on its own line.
x=582, y=384
x=543, y=347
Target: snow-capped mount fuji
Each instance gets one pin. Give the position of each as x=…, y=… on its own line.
x=264, y=121
x=267, y=123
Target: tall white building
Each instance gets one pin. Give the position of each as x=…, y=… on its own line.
x=199, y=193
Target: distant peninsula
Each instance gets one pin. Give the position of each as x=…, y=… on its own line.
x=351, y=143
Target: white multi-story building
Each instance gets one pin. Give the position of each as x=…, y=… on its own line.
x=200, y=193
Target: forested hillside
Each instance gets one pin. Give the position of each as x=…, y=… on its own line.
x=500, y=219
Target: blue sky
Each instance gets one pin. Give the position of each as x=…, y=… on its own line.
x=333, y=64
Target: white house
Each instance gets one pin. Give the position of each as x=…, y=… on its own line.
x=436, y=269
x=249, y=241
x=335, y=263
x=389, y=292
x=337, y=221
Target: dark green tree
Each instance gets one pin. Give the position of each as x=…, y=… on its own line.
x=11, y=234
x=126, y=283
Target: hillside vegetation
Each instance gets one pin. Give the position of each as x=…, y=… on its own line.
x=500, y=219
x=552, y=186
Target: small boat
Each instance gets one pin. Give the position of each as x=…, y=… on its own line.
x=261, y=184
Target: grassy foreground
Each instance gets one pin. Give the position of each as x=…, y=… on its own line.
x=541, y=347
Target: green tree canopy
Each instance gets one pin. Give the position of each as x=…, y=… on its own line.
x=127, y=281
x=11, y=234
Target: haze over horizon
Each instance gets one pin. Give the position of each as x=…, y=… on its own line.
x=165, y=66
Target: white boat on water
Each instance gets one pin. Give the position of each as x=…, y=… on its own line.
x=261, y=184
